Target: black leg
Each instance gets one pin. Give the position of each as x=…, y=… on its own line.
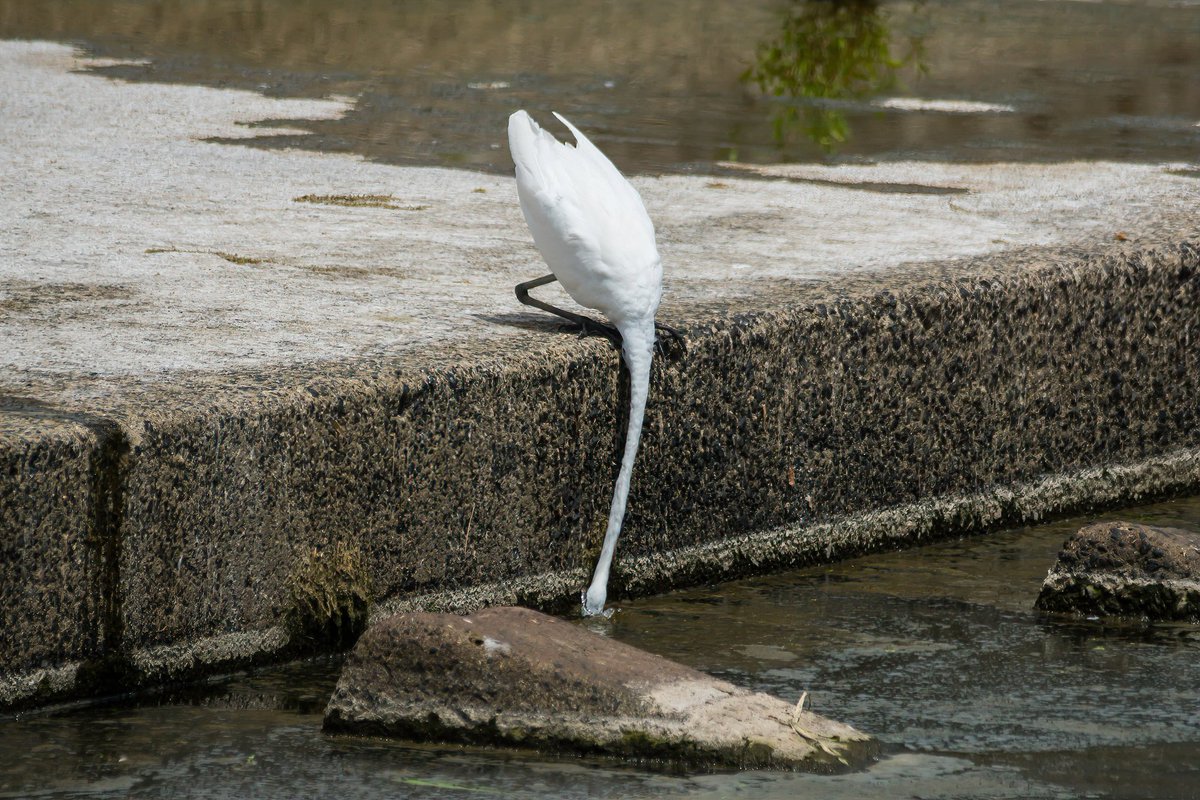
x=587, y=326
x=590, y=327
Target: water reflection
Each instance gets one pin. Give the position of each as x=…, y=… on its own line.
x=829, y=50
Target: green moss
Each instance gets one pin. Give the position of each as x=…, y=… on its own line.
x=643, y=745
x=232, y=258
x=642, y=742
x=357, y=201
x=757, y=754
x=328, y=597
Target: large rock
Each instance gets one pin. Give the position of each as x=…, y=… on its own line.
x=1123, y=568
x=511, y=676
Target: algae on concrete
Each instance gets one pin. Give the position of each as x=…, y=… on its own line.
x=359, y=201
x=232, y=258
x=328, y=597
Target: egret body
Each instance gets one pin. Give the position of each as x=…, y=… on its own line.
x=592, y=229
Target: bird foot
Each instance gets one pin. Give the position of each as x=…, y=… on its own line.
x=677, y=347
x=589, y=327
x=672, y=346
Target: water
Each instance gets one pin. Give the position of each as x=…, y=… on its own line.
x=935, y=650
x=660, y=85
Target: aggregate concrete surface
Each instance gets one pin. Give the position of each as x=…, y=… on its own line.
x=216, y=360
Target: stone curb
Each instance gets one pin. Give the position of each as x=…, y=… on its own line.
x=159, y=543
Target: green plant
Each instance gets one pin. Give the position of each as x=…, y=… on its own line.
x=828, y=50
x=328, y=600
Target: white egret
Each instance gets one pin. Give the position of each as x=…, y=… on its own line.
x=592, y=229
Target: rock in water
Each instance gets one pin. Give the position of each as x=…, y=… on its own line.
x=515, y=677
x=1123, y=568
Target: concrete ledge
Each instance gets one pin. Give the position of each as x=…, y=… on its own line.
x=57, y=501
x=855, y=416
x=747, y=554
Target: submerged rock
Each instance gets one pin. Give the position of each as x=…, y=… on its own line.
x=515, y=677
x=1123, y=568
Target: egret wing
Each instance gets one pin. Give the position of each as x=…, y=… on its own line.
x=588, y=222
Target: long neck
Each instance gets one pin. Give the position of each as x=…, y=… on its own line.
x=638, y=351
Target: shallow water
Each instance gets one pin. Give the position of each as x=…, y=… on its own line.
x=936, y=650
x=659, y=85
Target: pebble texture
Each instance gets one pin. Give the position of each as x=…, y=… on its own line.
x=511, y=676
x=56, y=509
x=1126, y=569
